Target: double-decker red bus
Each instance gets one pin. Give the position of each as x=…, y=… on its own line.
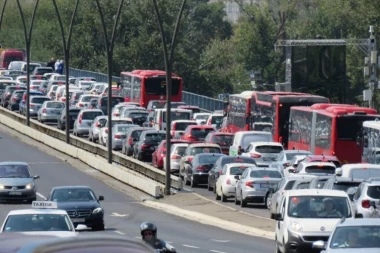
x=329, y=129
x=141, y=86
x=281, y=110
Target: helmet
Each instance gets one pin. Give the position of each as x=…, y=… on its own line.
x=148, y=226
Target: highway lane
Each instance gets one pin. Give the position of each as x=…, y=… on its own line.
x=123, y=213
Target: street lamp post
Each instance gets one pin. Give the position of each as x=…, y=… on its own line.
x=66, y=48
x=2, y=12
x=169, y=59
x=28, y=40
x=109, y=43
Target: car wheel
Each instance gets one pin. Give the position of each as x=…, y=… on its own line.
x=217, y=197
x=209, y=187
x=237, y=202
x=268, y=200
x=277, y=247
x=192, y=183
x=243, y=203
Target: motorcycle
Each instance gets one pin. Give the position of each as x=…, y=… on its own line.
x=374, y=212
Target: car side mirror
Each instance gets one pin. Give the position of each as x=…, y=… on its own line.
x=286, y=164
x=278, y=217
x=101, y=198
x=291, y=170
x=36, y=177
x=81, y=227
x=338, y=171
x=319, y=245
x=359, y=216
x=237, y=177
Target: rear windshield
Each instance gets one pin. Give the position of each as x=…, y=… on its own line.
x=4, y=85
x=223, y=139
x=269, y=149
x=216, y=119
x=208, y=159
x=91, y=115
x=320, y=169
x=181, y=126
x=200, y=150
x=200, y=117
x=201, y=132
x=158, y=104
x=135, y=115
x=115, y=101
x=87, y=98
x=18, y=94
x=115, y=122
x=123, y=129
x=55, y=105
x=74, y=113
x=304, y=185
x=237, y=170
x=155, y=137
x=39, y=100
x=177, y=116
x=136, y=134
x=180, y=150
x=265, y=174
x=255, y=138
x=374, y=192
x=237, y=160
x=364, y=173
x=344, y=186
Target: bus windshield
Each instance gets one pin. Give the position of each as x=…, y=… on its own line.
x=157, y=86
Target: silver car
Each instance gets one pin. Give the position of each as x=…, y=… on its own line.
x=35, y=104
x=119, y=133
x=17, y=182
x=255, y=185
x=49, y=111
x=93, y=134
x=177, y=150
x=84, y=120
x=84, y=101
x=352, y=236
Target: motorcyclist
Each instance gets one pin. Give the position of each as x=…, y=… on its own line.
x=149, y=235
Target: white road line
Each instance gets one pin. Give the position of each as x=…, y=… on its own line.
x=216, y=251
x=118, y=232
x=40, y=195
x=261, y=217
x=233, y=209
x=216, y=240
x=190, y=246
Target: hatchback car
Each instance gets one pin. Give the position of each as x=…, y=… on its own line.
x=224, y=140
x=36, y=103
x=49, y=111
x=176, y=153
x=368, y=191
x=73, y=114
x=119, y=133
x=17, y=182
x=158, y=156
x=84, y=120
x=196, y=133
x=93, y=132
x=133, y=136
x=263, y=152
x=147, y=144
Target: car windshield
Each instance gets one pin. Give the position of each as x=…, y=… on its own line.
x=181, y=126
x=136, y=115
x=319, y=207
x=265, y=174
x=344, y=186
x=56, y=105
x=364, y=173
x=201, y=132
x=356, y=237
x=14, y=171
x=37, y=222
x=88, y=98
x=320, y=169
x=202, y=117
x=255, y=138
x=177, y=116
x=199, y=150
x=223, y=139
x=69, y=195
x=226, y=160
x=91, y=115
x=123, y=129
x=238, y=170
x=208, y=159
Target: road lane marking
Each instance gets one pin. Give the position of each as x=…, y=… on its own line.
x=190, y=246
x=215, y=240
x=45, y=162
x=261, y=217
x=118, y=215
x=40, y=195
x=118, y=232
x=216, y=251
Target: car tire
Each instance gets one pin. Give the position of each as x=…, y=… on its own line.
x=209, y=187
x=237, y=202
x=217, y=197
x=268, y=201
x=243, y=203
x=192, y=183
x=223, y=197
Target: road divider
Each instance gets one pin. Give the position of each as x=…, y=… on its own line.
x=128, y=170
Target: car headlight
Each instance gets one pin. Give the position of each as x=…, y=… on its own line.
x=97, y=210
x=295, y=226
x=1, y=187
x=30, y=186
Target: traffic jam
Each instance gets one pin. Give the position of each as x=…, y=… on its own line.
x=312, y=164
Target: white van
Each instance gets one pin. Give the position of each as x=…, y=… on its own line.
x=308, y=215
x=359, y=170
x=243, y=138
x=159, y=117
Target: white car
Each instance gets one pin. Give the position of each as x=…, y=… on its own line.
x=103, y=132
x=263, y=152
x=43, y=219
x=226, y=184
x=316, y=167
x=201, y=117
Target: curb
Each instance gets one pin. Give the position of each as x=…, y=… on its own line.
x=209, y=220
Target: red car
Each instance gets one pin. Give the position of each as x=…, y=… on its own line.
x=158, y=155
x=224, y=140
x=196, y=133
x=323, y=158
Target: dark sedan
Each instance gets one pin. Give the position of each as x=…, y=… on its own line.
x=147, y=144
x=81, y=204
x=61, y=121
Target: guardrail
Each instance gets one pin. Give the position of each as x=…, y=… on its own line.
x=99, y=151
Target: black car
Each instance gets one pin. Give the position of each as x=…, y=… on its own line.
x=218, y=166
x=138, y=116
x=133, y=136
x=61, y=121
x=81, y=204
x=197, y=170
x=147, y=144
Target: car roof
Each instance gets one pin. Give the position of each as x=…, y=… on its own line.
x=194, y=145
x=37, y=211
x=184, y=121
x=323, y=157
x=71, y=187
x=359, y=222
x=294, y=151
x=229, y=165
x=210, y=154
x=346, y=179
x=152, y=131
x=261, y=143
x=307, y=164
x=316, y=192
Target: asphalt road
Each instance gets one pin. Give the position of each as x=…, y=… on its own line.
x=123, y=213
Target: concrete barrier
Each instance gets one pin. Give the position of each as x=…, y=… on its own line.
x=131, y=171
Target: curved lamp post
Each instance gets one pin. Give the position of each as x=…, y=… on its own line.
x=109, y=43
x=66, y=48
x=169, y=59
x=28, y=40
x=2, y=12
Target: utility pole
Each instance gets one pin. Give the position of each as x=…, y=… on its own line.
x=372, y=67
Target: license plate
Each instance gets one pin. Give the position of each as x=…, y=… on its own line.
x=89, y=123
x=15, y=193
x=76, y=220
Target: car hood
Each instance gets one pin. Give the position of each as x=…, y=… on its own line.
x=78, y=205
x=16, y=181
x=53, y=233
x=354, y=250
x=316, y=225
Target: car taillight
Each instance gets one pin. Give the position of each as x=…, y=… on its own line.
x=228, y=181
x=175, y=156
x=106, y=130
x=80, y=119
x=14, y=99
x=117, y=136
x=130, y=140
x=249, y=184
x=201, y=168
x=81, y=105
x=189, y=159
x=31, y=104
x=144, y=146
x=44, y=110
x=366, y=203
x=255, y=155
x=97, y=124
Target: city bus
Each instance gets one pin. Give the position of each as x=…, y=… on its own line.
x=329, y=129
x=238, y=112
x=281, y=110
x=142, y=86
x=369, y=142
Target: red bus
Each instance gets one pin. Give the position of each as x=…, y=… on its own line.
x=141, y=86
x=238, y=112
x=329, y=129
x=281, y=110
